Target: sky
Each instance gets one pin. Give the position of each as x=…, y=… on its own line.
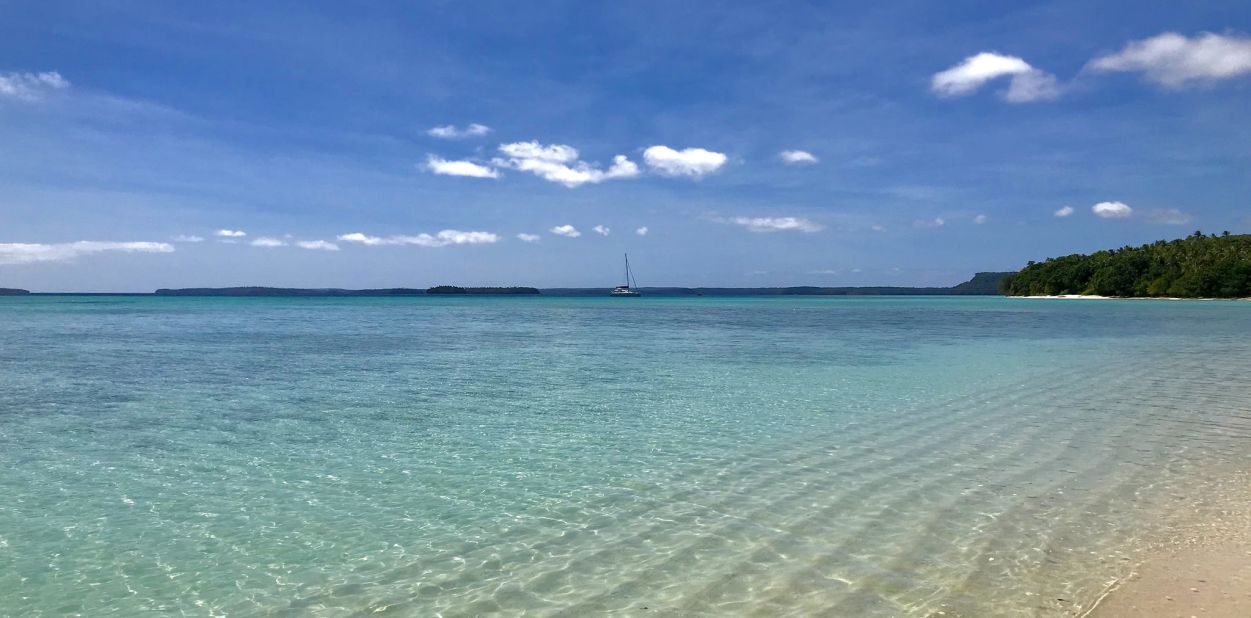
x=389, y=144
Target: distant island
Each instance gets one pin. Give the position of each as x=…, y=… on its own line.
x=266, y=291
x=982, y=284
x=13, y=292
x=452, y=289
x=1197, y=266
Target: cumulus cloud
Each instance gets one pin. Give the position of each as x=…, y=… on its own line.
x=559, y=163
x=31, y=86
x=1112, y=210
x=601, y=230
x=1168, y=216
x=444, y=167
x=26, y=253
x=774, y=224
x=1027, y=83
x=693, y=162
x=524, y=237
x=230, y=233
x=441, y=239
x=980, y=219
x=1173, y=60
x=642, y=231
x=268, y=242
x=1064, y=211
x=566, y=230
x=317, y=245
x=451, y=132
x=187, y=238
x=797, y=157
x=935, y=222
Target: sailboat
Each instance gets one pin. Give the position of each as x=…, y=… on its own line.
x=631, y=286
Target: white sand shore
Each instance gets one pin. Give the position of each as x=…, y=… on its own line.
x=1210, y=581
x=1098, y=297
x=1201, y=569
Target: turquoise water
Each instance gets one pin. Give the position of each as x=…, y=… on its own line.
x=775, y=456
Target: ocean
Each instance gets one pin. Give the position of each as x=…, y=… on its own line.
x=842, y=456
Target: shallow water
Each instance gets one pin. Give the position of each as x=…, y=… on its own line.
x=756, y=456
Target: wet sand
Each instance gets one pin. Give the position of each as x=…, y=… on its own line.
x=1203, y=571
x=1214, y=582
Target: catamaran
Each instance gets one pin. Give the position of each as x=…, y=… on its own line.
x=631, y=286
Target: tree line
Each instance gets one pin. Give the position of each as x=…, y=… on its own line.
x=1198, y=266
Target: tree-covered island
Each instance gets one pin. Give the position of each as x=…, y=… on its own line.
x=1198, y=266
x=455, y=289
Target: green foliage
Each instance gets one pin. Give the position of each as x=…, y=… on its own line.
x=1192, y=267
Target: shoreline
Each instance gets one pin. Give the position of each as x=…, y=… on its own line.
x=1199, y=566
x=1211, y=581
x=1099, y=297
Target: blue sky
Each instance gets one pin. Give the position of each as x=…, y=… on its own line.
x=925, y=140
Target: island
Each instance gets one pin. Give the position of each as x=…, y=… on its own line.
x=334, y=292
x=982, y=284
x=1198, y=266
x=13, y=292
x=267, y=291
x=453, y=289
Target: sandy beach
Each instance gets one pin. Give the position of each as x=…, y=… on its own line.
x=1203, y=569
x=1098, y=297
x=1213, y=581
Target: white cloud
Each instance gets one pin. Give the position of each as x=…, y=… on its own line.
x=642, y=231
x=980, y=219
x=1173, y=60
x=523, y=237
x=26, y=253
x=317, y=245
x=559, y=163
x=797, y=157
x=601, y=230
x=187, y=238
x=268, y=243
x=1064, y=211
x=442, y=239
x=566, y=230
x=230, y=233
x=935, y=222
x=358, y=237
x=31, y=86
x=774, y=224
x=1027, y=83
x=877, y=227
x=556, y=153
x=1032, y=86
x=444, y=167
x=693, y=162
x=1168, y=216
x=451, y=132
x=1112, y=210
